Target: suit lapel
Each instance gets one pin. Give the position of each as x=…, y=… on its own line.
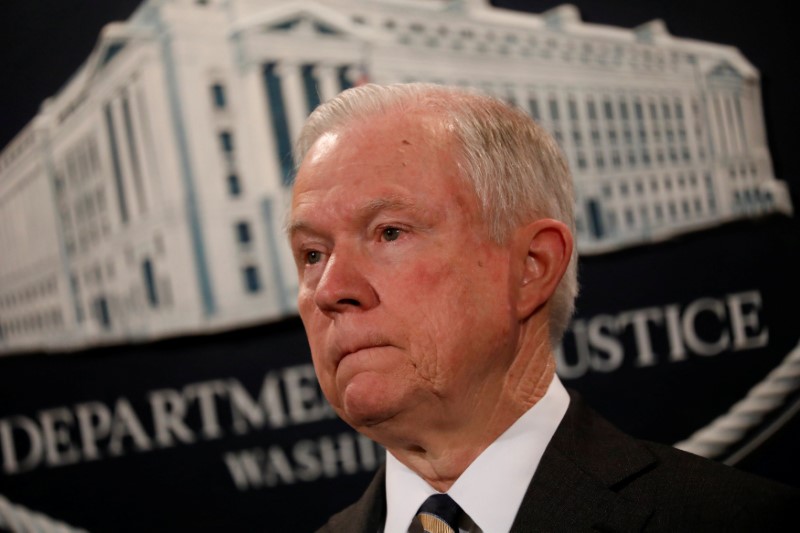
x=367, y=515
x=575, y=487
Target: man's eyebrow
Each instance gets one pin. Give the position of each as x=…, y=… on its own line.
x=365, y=211
x=386, y=204
x=295, y=226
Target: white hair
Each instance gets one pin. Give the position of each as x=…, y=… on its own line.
x=516, y=168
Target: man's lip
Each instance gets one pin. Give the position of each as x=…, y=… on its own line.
x=351, y=351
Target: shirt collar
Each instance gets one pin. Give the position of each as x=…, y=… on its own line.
x=491, y=489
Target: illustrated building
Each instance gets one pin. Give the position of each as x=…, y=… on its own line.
x=147, y=198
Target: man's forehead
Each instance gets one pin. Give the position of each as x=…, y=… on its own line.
x=376, y=150
x=398, y=137
x=391, y=126
x=322, y=147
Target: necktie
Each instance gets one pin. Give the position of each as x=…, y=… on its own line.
x=439, y=514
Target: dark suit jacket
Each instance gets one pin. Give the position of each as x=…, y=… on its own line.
x=592, y=477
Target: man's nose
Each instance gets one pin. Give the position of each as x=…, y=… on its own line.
x=343, y=285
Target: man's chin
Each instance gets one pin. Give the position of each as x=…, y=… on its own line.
x=366, y=403
x=366, y=414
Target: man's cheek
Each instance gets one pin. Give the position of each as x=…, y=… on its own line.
x=425, y=277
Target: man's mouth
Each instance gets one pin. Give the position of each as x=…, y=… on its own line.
x=350, y=350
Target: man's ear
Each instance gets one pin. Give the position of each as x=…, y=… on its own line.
x=545, y=247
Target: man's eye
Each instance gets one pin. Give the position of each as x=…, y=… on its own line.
x=390, y=234
x=313, y=257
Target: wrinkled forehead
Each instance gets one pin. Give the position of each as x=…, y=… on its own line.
x=389, y=148
x=400, y=134
x=402, y=137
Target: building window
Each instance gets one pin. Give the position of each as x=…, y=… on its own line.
x=609, y=110
x=678, y=110
x=629, y=219
x=218, y=96
x=226, y=141
x=639, y=112
x=252, y=283
x=150, y=283
x=592, y=110
x=573, y=110
x=595, y=219
x=234, y=186
x=101, y=312
x=623, y=109
x=344, y=78
x=628, y=134
x=599, y=161
x=534, y=105
x=554, y=114
x=243, y=235
x=665, y=110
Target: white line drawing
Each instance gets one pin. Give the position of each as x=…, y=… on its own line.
x=146, y=199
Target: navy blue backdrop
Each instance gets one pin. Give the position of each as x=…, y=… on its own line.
x=229, y=432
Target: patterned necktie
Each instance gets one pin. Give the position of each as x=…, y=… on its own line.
x=439, y=514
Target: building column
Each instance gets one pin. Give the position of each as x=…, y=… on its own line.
x=734, y=134
x=293, y=96
x=328, y=81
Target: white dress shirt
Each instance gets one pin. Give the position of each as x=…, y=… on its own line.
x=491, y=489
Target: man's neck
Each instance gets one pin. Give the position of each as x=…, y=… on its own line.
x=440, y=457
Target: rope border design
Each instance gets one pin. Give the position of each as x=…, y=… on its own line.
x=19, y=519
x=729, y=428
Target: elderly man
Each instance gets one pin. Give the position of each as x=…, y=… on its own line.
x=433, y=234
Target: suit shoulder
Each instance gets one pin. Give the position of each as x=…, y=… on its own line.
x=703, y=491
x=700, y=473
x=339, y=522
